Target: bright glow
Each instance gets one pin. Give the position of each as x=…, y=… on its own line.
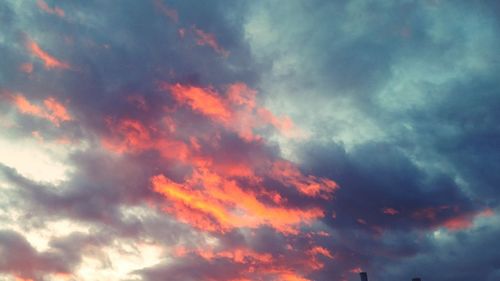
x=119, y=260
x=35, y=160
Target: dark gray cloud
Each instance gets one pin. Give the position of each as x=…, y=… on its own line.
x=399, y=98
x=18, y=257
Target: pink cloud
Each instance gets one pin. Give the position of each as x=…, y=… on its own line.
x=45, y=7
x=208, y=39
x=49, y=61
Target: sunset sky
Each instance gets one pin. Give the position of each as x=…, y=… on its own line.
x=261, y=140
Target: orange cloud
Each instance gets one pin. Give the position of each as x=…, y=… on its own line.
x=289, y=276
x=51, y=110
x=222, y=205
x=57, y=111
x=321, y=251
x=24, y=106
x=130, y=135
x=289, y=175
x=251, y=115
x=261, y=265
x=210, y=198
x=49, y=61
x=45, y=7
x=236, y=255
x=202, y=100
x=127, y=135
x=240, y=94
x=237, y=109
x=208, y=39
x=223, y=190
x=284, y=124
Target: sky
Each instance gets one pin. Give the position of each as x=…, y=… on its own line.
x=265, y=140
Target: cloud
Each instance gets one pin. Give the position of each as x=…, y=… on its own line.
x=232, y=140
x=49, y=61
x=52, y=110
x=383, y=97
x=169, y=12
x=45, y=7
x=236, y=109
x=27, y=262
x=208, y=39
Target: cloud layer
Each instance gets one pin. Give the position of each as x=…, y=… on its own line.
x=234, y=140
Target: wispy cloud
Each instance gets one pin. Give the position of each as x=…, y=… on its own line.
x=49, y=61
